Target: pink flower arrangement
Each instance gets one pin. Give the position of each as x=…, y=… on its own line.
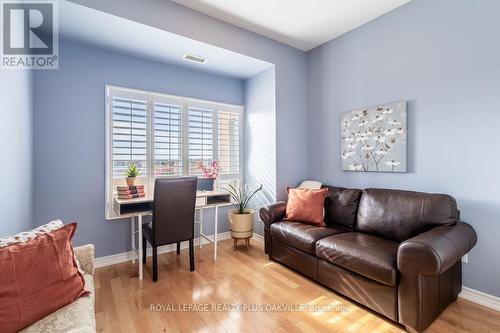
x=210, y=171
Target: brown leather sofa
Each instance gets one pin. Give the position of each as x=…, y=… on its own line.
x=396, y=252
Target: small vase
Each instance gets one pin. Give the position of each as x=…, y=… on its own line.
x=130, y=181
x=206, y=184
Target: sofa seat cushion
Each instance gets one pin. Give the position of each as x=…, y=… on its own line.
x=364, y=254
x=76, y=317
x=302, y=236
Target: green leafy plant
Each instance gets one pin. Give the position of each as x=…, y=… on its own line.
x=132, y=170
x=241, y=196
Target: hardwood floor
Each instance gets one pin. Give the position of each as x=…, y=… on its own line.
x=123, y=303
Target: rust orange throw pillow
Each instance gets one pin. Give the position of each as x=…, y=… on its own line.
x=37, y=278
x=306, y=206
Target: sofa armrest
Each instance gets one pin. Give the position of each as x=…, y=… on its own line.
x=271, y=213
x=433, y=252
x=431, y=273
x=85, y=256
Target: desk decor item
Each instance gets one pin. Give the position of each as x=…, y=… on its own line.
x=130, y=192
x=374, y=139
x=241, y=218
x=131, y=173
x=210, y=173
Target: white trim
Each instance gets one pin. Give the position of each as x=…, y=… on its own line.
x=130, y=255
x=479, y=297
x=215, y=135
x=258, y=238
x=109, y=202
x=175, y=97
x=150, y=129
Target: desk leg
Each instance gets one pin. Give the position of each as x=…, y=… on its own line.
x=216, y=218
x=139, y=234
x=201, y=227
x=132, y=231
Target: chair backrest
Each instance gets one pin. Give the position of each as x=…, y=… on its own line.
x=173, y=209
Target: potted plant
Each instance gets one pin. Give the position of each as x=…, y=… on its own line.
x=241, y=218
x=210, y=174
x=131, y=173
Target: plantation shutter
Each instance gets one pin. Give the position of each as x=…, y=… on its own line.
x=229, y=142
x=201, y=135
x=129, y=133
x=168, y=138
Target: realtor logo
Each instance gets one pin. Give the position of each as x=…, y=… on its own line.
x=29, y=34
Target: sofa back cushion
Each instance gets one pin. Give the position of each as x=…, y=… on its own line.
x=399, y=215
x=341, y=206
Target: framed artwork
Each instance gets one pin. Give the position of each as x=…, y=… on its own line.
x=375, y=139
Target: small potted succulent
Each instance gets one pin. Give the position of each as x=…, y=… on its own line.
x=210, y=174
x=131, y=174
x=241, y=218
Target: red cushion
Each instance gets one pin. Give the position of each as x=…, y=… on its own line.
x=37, y=278
x=306, y=206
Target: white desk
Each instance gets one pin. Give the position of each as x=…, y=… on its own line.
x=139, y=207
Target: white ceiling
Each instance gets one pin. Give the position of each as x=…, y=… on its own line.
x=303, y=24
x=135, y=39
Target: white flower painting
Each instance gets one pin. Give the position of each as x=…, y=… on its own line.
x=374, y=139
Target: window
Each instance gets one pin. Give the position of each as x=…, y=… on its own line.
x=229, y=142
x=168, y=139
x=168, y=136
x=129, y=135
x=201, y=138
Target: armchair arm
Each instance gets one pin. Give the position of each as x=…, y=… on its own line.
x=433, y=252
x=273, y=213
x=269, y=214
x=85, y=256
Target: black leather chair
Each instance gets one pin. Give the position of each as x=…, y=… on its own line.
x=173, y=217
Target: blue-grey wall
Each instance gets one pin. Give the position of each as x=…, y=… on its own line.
x=16, y=143
x=291, y=98
x=259, y=94
x=69, y=130
x=443, y=56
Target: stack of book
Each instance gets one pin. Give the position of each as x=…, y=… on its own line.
x=129, y=192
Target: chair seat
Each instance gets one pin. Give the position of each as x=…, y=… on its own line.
x=300, y=235
x=364, y=254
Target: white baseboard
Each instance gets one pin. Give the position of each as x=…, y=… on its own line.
x=476, y=296
x=258, y=238
x=128, y=256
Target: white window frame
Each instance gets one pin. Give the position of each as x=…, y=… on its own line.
x=185, y=103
